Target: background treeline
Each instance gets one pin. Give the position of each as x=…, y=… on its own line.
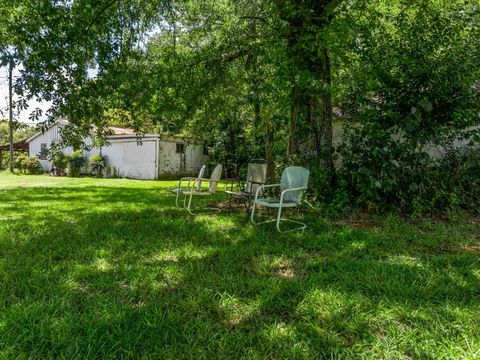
x=272, y=80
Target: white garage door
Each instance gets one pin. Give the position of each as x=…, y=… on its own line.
x=139, y=160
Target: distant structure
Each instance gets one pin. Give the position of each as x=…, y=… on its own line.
x=148, y=156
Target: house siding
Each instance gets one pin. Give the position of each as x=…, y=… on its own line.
x=126, y=156
x=51, y=135
x=171, y=162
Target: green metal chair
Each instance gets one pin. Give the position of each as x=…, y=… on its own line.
x=198, y=191
x=292, y=186
x=256, y=176
x=181, y=189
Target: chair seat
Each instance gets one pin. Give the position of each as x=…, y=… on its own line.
x=180, y=191
x=275, y=203
x=197, y=192
x=239, y=193
x=175, y=191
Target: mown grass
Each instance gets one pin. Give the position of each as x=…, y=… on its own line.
x=109, y=268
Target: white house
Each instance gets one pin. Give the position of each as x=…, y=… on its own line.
x=149, y=156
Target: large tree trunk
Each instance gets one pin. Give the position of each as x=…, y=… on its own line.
x=258, y=118
x=268, y=147
x=310, y=126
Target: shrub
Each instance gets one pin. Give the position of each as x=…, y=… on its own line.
x=58, y=158
x=32, y=165
x=454, y=181
x=20, y=162
x=27, y=165
x=381, y=172
x=75, y=161
x=97, y=164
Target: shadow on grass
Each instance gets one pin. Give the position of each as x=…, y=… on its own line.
x=119, y=272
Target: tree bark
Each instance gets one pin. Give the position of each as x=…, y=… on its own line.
x=295, y=108
x=310, y=125
x=268, y=148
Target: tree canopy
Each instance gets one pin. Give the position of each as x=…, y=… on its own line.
x=263, y=79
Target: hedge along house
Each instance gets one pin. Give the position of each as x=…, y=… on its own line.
x=148, y=156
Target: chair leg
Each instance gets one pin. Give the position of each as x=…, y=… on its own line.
x=178, y=195
x=302, y=226
x=252, y=217
x=278, y=221
x=189, y=203
x=230, y=202
x=279, y=218
x=188, y=207
x=246, y=203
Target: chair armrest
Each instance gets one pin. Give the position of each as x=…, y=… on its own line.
x=184, y=179
x=294, y=189
x=203, y=179
x=256, y=182
x=263, y=187
x=269, y=186
x=290, y=190
x=252, y=182
x=238, y=184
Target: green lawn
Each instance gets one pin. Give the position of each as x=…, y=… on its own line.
x=110, y=268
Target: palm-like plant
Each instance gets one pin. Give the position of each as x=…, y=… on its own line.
x=97, y=164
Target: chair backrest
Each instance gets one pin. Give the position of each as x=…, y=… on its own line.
x=215, y=178
x=294, y=177
x=256, y=176
x=201, y=173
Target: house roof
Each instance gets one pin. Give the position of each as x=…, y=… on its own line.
x=115, y=130
x=58, y=121
x=17, y=146
x=121, y=133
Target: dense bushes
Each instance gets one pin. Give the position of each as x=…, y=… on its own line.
x=381, y=172
x=72, y=162
x=75, y=161
x=28, y=165
x=19, y=161
x=410, y=84
x=58, y=159
x=454, y=181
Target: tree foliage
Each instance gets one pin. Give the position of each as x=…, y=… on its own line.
x=410, y=90
x=20, y=131
x=262, y=79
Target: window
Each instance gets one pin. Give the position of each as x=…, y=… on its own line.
x=180, y=149
x=43, y=152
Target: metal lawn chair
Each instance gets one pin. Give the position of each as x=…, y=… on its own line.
x=292, y=186
x=198, y=191
x=180, y=190
x=256, y=176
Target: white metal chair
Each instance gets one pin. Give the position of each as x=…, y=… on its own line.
x=256, y=176
x=180, y=190
x=292, y=186
x=198, y=191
